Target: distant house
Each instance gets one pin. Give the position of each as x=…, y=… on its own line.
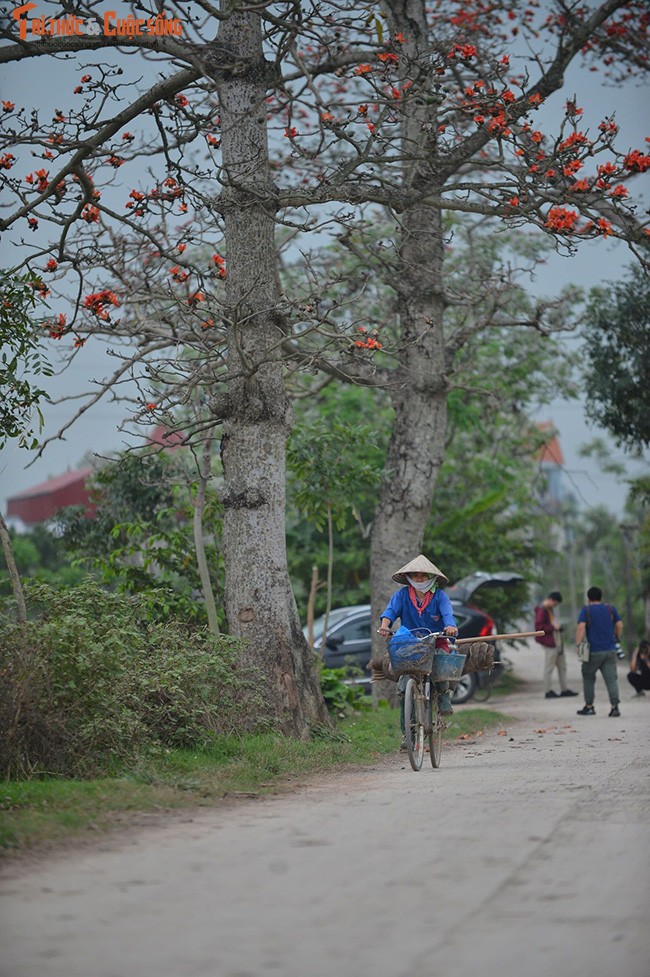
x=41, y=502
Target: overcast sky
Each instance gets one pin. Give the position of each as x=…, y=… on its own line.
x=595, y=263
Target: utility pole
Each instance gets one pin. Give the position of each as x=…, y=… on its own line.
x=627, y=532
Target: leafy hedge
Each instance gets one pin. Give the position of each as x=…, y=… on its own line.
x=91, y=683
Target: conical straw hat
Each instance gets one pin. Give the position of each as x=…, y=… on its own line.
x=420, y=565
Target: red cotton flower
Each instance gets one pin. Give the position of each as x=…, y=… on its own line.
x=362, y=69
x=195, y=298
x=561, y=219
x=388, y=58
x=90, y=214
x=7, y=160
x=96, y=302
x=151, y=407
x=636, y=162
x=52, y=265
x=8, y=106
x=620, y=191
x=220, y=264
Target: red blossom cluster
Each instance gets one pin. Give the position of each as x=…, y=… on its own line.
x=57, y=328
x=195, y=298
x=465, y=51
x=39, y=177
x=220, y=264
x=178, y=275
x=8, y=106
x=90, y=214
x=7, y=160
x=561, y=219
x=96, y=302
x=368, y=342
x=636, y=162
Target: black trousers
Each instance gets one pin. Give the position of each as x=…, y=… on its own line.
x=640, y=682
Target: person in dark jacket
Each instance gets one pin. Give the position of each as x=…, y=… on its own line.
x=639, y=673
x=546, y=621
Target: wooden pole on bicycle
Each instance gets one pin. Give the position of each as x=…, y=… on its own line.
x=500, y=637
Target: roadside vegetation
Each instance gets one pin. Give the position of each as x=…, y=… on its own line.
x=52, y=810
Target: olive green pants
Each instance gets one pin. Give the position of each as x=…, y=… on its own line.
x=605, y=663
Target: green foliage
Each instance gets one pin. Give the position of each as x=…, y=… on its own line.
x=92, y=683
x=616, y=354
x=331, y=462
x=21, y=359
x=140, y=541
x=341, y=699
x=40, y=554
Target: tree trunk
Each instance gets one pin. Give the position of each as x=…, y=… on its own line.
x=419, y=394
x=14, y=576
x=260, y=605
x=199, y=546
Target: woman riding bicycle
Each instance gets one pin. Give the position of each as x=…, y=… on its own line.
x=419, y=604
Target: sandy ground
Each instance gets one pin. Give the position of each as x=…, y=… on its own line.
x=524, y=854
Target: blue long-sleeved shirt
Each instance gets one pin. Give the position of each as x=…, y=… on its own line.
x=438, y=615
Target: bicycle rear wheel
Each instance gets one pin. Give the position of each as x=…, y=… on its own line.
x=413, y=725
x=435, y=736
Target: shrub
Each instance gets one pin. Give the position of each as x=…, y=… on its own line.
x=90, y=684
x=340, y=698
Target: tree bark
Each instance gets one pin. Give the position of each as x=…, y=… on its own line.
x=260, y=605
x=419, y=393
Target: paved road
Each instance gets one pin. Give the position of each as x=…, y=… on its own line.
x=525, y=854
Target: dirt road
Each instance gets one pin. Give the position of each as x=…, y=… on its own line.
x=526, y=853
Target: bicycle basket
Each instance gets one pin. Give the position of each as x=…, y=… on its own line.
x=447, y=668
x=407, y=654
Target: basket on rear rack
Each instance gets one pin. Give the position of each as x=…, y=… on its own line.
x=447, y=668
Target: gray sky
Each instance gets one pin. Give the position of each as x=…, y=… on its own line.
x=602, y=261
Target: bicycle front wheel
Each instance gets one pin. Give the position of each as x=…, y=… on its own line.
x=413, y=724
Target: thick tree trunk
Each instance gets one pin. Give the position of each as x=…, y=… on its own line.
x=260, y=606
x=419, y=395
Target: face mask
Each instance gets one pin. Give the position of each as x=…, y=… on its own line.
x=423, y=586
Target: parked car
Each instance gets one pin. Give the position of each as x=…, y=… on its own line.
x=348, y=641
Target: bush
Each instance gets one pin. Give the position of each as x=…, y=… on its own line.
x=91, y=684
x=341, y=699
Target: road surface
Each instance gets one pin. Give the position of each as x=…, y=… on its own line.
x=525, y=854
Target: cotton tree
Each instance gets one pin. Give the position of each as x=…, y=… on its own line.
x=154, y=208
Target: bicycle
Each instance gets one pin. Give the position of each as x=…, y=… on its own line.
x=424, y=666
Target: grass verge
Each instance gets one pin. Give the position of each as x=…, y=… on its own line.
x=38, y=812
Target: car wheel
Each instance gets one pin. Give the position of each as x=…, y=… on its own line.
x=465, y=689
